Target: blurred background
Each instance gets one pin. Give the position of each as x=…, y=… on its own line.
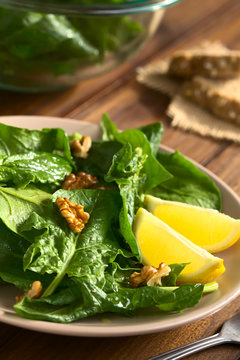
x=129, y=104
x=183, y=25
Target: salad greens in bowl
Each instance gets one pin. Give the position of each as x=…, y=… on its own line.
x=50, y=46
x=87, y=272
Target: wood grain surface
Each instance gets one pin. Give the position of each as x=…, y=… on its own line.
x=130, y=105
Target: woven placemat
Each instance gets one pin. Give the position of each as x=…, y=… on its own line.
x=188, y=116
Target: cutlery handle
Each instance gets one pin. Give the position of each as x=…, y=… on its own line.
x=189, y=349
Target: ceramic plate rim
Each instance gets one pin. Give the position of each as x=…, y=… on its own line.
x=104, y=330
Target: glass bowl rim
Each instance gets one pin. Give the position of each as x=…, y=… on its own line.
x=116, y=9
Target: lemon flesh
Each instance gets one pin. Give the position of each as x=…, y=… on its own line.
x=160, y=243
x=207, y=228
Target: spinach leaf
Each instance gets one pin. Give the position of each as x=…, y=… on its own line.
x=107, y=34
x=125, y=171
x=171, y=279
x=101, y=154
x=155, y=172
x=57, y=249
x=153, y=133
x=109, y=129
x=82, y=298
x=186, y=295
x=46, y=35
x=34, y=167
x=97, y=244
x=99, y=158
x=14, y=140
x=11, y=272
x=12, y=250
x=16, y=205
x=35, y=43
x=53, y=247
x=135, y=171
x=189, y=184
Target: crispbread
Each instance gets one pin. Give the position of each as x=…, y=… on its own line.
x=221, y=97
x=214, y=61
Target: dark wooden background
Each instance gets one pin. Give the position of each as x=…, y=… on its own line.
x=129, y=105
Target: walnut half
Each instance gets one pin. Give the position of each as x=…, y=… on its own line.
x=73, y=213
x=81, y=147
x=150, y=275
x=34, y=292
x=80, y=181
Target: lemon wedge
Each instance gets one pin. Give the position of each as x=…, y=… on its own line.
x=207, y=228
x=160, y=243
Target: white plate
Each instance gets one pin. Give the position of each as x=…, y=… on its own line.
x=229, y=282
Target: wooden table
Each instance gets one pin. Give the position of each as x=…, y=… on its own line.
x=130, y=105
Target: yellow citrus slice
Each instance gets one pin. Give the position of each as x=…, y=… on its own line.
x=207, y=228
x=160, y=243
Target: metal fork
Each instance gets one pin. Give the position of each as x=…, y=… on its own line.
x=230, y=333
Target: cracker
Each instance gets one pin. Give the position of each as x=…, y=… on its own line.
x=212, y=61
x=221, y=97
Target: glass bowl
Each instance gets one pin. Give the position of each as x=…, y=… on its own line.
x=50, y=46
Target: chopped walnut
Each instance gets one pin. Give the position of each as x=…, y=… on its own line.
x=162, y=271
x=150, y=275
x=73, y=213
x=34, y=292
x=81, y=147
x=80, y=181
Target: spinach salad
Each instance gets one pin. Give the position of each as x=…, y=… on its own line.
x=36, y=43
x=87, y=273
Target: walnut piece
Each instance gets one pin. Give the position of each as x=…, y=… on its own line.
x=34, y=292
x=73, y=213
x=80, y=181
x=81, y=147
x=150, y=275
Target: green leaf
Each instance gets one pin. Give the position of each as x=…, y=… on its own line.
x=35, y=43
x=171, y=279
x=97, y=244
x=99, y=158
x=125, y=171
x=50, y=33
x=12, y=249
x=34, y=167
x=189, y=184
x=14, y=141
x=83, y=298
x=109, y=129
x=154, y=171
x=57, y=249
x=186, y=295
x=134, y=169
x=153, y=132
x=16, y=205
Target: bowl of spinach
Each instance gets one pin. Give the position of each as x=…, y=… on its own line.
x=50, y=46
